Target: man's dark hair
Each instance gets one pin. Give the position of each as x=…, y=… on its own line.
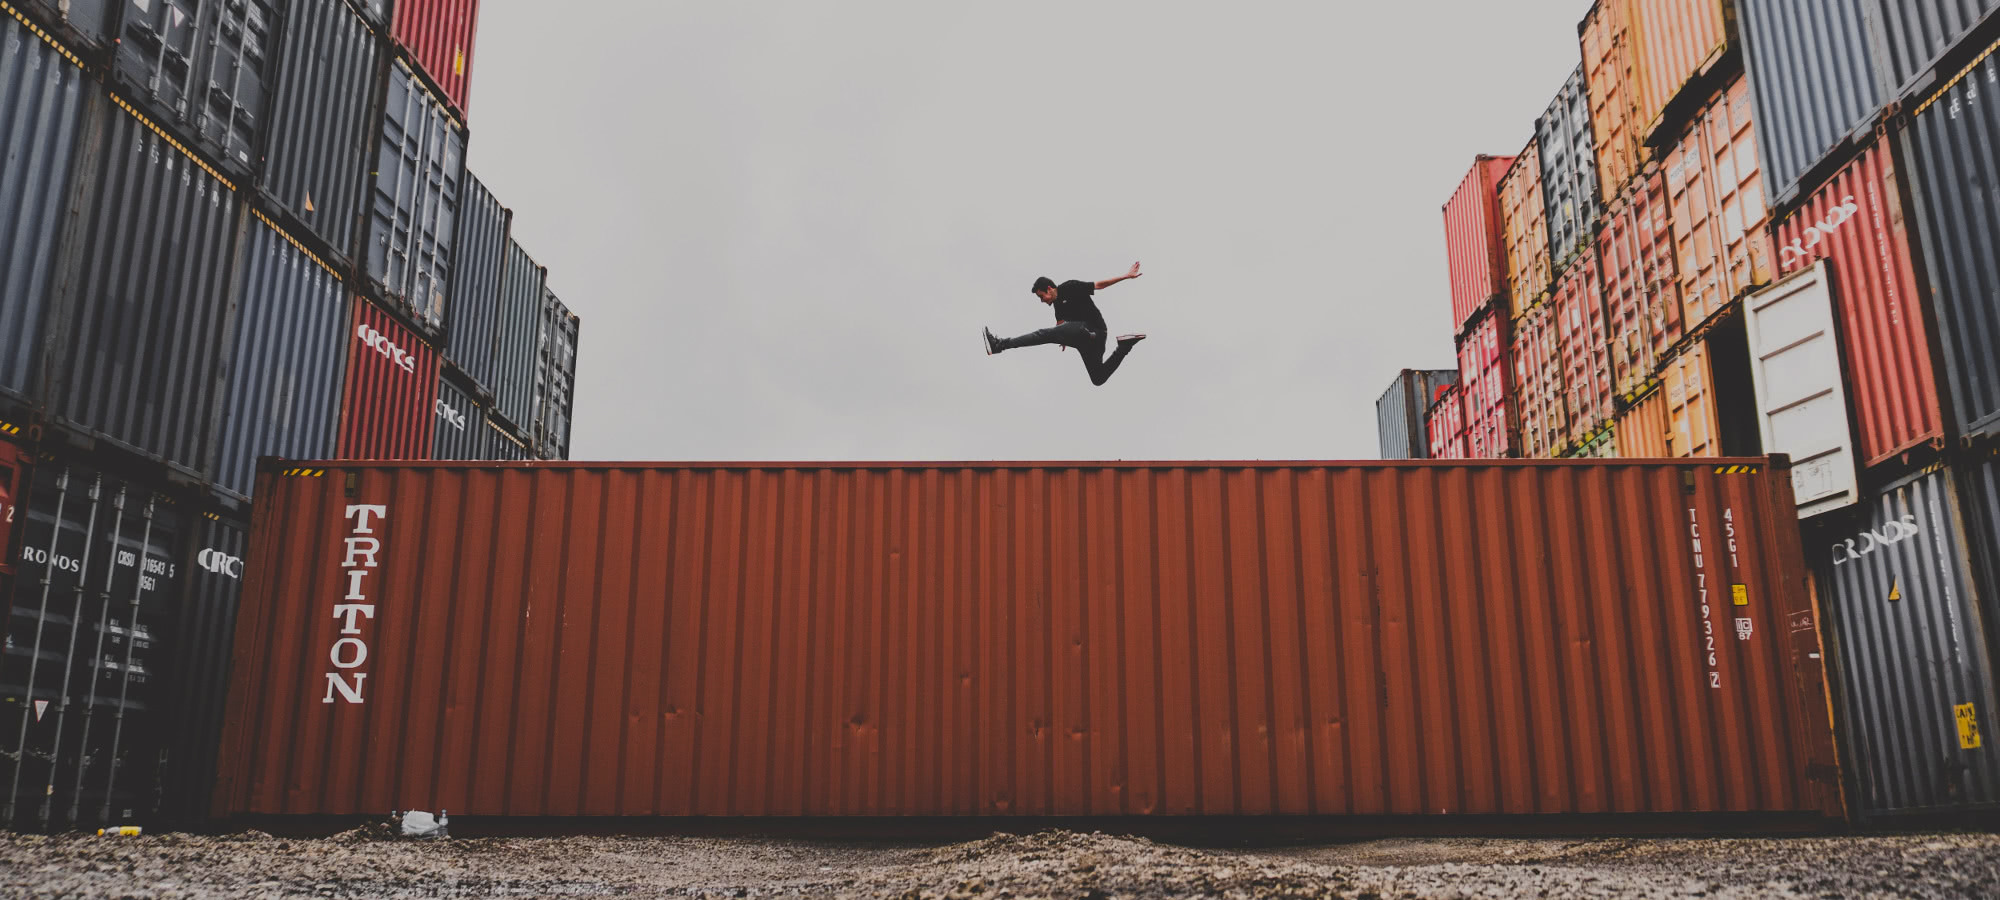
x=1044, y=283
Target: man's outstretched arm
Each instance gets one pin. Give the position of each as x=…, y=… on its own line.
x=1127, y=276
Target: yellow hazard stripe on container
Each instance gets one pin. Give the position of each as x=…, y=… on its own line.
x=37, y=31
x=304, y=473
x=1738, y=470
x=9, y=428
x=1955, y=79
x=173, y=143
x=296, y=245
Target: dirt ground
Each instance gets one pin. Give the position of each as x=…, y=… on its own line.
x=1056, y=864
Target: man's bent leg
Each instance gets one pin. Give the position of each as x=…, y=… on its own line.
x=1101, y=369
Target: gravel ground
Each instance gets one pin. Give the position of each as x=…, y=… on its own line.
x=1056, y=864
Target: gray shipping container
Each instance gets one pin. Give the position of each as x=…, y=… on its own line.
x=85, y=24
x=1569, y=172
x=141, y=300
x=42, y=100
x=1813, y=79
x=377, y=11
x=282, y=393
x=503, y=446
x=461, y=425
x=1399, y=415
x=198, y=669
x=322, y=144
x=518, y=336
x=1916, y=35
x=413, y=210
x=555, y=379
x=1911, y=652
x=200, y=69
x=475, y=285
x=1953, y=152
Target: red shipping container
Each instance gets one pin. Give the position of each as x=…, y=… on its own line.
x=1536, y=352
x=439, y=36
x=1721, y=227
x=1588, y=397
x=1484, y=374
x=1446, y=423
x=1678, y=41
x=1028, y=639
x=389, y=407
x=13, y=492
x=1856, y=223
x=1642, y=287
x=1524, y=225
x=1472, y=240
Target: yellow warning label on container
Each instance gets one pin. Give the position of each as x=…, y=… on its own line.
x=1740, y=594
x=1968, y=726
x=1895, y=592
x=458, y=61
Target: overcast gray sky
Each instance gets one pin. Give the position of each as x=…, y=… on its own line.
x=784, y=223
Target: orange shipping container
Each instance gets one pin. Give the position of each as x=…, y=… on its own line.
x=1538, y=383
x=1721, y=228
x=1642, y=287
x=1678, y=41
x=1027, y=639
x=1612, y=78
x=1524, y=223
x=1679, y=419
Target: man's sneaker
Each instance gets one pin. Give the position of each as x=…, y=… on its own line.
x=1127, y=340
x=992, y=343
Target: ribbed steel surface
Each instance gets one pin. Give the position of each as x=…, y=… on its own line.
x=1524, y=225
x=201, y=69
x=285, y=371
x=388, y=409
x=1399, y=413
x=147, y=304
x=87, y=24
x=198, y=675
x=1678, y=40
x=1445, y=421
x=461, y=425
x=1485, y=372
x=322, y=144
x=555, y=378
x=42, y=99
x=1721, y=224
x=413, y=206
x=1475, y=252
x=1980, y=489
x=1855, y=222
x=1569, y=172
x=502, y=445
x=439, y=35
x=1613, y=79
x=473, y=319
x=1907, y=629
x=375, y=11
x=1954, y=170
x=1813, y=73
x=522, y=283
x=1643, y=427
x=14, y=462
x=1585, y=344
x=1536, y=355
x=1075, y=639
x=1642, y=285
x=1688, y=390
x=1916, y=34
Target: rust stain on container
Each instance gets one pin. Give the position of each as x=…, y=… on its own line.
x=1524, y=222
x=1074, y=639
x=1720, y=223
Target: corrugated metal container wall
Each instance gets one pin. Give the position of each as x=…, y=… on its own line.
x=1679, y=40
x=1611, y=76
x=475, y=285
x=147, y=306
x=1445, y=421
x=1812, y=71
x=1536, y=354
x=1399, y=414
x=413, y=213
x=1642, y=285
x=990, y=639
x=1981, y=489
x=1856, y=223
x=1474, y=248
x=376, y=11
x=389, y=408
x=1483, y=372
x=1569, y=172
x=461, y=425
x=1603, y=445
x=1917, y=34
x=201, y=69
x=99, y=590
x=322, y=146
x=555, y=378
x=439, y=35
x=1688, y=389
x=503, y=446
x=80, y=23
x=1719, y=218
x=1588, y=397
x=284, y=382
x=1911, y=652
x=519, y=337
x=1954, y=155
x=1643, y=427
x=42, y=111
x=202, y=640
x=14, y=463
x=1524, y=223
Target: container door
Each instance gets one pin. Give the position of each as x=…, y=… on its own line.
x=1801, y=399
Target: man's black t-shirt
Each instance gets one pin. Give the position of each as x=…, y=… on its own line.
x=1073, y=304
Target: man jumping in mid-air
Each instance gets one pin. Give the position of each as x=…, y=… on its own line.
x=1079, y=325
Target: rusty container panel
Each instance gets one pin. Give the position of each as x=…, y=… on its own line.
x=1585, y=343
x=1856, y=222
x=1679, y=40
x=1720, y=222
x=1613, y=79
x=1445, y=421
x=1491, y=414
x=1474, y=248
x=987, y=639
x=389, y=408
x=1536, y=353
x=1642, y=287
x=1524, y=225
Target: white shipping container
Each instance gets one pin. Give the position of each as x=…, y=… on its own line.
x=1801, y=399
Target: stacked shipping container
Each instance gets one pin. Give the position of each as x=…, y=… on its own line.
x=1399, y=414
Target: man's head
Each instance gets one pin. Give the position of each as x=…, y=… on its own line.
x=1045, y=288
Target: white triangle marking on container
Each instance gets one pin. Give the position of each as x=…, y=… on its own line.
x=41, y=706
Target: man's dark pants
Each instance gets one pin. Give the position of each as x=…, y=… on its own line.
x=1076, y=336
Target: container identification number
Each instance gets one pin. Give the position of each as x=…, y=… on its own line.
x=1701, y=587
